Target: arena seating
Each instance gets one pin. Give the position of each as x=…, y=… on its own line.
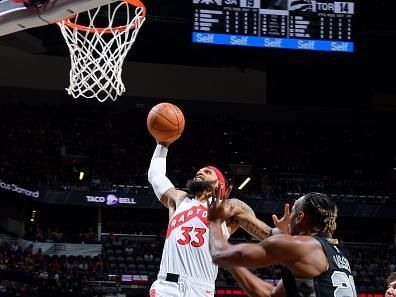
x=141, y=255
x=294, y=157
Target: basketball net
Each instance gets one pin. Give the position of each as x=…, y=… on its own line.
x=98, y=51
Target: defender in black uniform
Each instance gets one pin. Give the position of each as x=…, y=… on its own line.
x=336, y=281
x=312, y=265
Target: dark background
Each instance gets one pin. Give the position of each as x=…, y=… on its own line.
x=294, y=77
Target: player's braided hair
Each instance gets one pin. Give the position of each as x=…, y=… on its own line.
x=322, y=212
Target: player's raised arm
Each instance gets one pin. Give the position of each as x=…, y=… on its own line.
x=162, y=186
x=165, y=123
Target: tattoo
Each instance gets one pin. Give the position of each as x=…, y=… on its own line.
x=247, y=220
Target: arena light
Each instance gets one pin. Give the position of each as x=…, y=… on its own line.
x=33, y=217
x=244, y=183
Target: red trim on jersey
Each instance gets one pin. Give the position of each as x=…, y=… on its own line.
x=187, y=215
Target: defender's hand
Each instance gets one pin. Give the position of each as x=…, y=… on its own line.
x=218, y=209
x=283, y=223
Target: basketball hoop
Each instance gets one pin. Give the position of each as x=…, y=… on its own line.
x=99, y=41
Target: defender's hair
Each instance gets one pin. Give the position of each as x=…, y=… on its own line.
x=322, y=212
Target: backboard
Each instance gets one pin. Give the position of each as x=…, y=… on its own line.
x=97, y=47
x=17, y=15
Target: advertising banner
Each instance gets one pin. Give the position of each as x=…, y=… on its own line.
x=105, y=199
x=19, y=189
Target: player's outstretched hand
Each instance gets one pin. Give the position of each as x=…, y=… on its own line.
x=218, y=209
x=283, y=223
x=167, y=143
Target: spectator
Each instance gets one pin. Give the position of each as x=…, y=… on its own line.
x=391, y=284
x=129, y=250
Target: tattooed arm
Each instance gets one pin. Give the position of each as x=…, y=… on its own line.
x=244, y=217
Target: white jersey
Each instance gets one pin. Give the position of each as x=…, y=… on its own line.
x=186, y=250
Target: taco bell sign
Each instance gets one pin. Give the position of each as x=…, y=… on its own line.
x=110, y=199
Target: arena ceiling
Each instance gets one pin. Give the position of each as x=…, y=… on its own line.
x=166, y=39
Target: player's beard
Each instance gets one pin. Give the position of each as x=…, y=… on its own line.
x=199, y=186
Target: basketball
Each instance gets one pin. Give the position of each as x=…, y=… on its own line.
x=165, y=122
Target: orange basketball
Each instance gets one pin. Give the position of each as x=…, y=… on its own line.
x=165, y=122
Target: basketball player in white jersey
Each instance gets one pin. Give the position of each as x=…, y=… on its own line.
x=186, y=268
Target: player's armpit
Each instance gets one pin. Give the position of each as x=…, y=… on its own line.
x=172, y=198
x=244, y=217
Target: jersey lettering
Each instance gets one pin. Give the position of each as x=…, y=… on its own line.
x=199, y=212
x=198, y=234
x=345, y=286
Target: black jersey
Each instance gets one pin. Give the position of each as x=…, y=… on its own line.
x=337, y=281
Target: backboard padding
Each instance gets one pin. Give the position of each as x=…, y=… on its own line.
x=16, y=17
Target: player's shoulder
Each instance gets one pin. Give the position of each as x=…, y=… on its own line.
x=284, y=242
x=179, y=197
x=233, y=201
x=306, y=241
x=174, y=198
x=238, y=204
x=182, y=194
x=175, y=194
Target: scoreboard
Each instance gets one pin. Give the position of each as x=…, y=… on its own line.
x=292, y=24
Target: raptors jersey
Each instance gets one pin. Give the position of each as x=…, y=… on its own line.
x=186, y=249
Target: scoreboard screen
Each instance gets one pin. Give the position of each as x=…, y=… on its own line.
x=291, y=24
